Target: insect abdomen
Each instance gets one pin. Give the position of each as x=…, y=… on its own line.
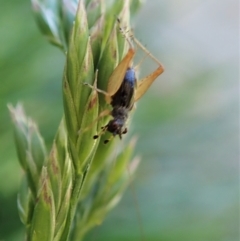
x=124, y=96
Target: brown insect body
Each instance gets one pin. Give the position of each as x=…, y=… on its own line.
x=122, y=102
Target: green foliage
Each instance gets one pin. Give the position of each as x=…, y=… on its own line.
x=187, y=185
x=70, y=190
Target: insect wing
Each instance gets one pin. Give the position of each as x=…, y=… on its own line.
x=145, y=83
x=119, y=72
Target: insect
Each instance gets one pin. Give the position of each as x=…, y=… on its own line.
x=123, y=90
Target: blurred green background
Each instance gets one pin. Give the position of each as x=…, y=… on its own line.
x=187, y=186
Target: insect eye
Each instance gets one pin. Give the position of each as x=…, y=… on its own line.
x=115, y=124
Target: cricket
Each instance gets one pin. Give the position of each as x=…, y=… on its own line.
x=123, y=89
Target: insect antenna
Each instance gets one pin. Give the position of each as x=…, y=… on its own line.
x=102, y=131
x=109, y=139
x=136, y=205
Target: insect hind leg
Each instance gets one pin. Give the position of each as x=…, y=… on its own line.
x=139, y=44
x=123, y=32
x=130, y=39
x=146, y=82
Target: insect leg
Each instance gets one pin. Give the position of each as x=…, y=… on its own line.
x=138, y=43
x=146, y=82
x=96, y=89
x=123, y=32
